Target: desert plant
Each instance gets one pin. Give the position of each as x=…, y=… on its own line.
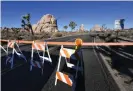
x=65, y=27
x=16, y=31
x=26, y=23
x=57, y=34
x=6, y=32
x=72, y=25
x=43, y=35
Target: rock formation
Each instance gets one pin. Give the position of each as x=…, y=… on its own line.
x=81, y=27
x=46, y=24
x=96, y=28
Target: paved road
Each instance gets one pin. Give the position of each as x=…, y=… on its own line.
x=21, y=79
x=93, y=78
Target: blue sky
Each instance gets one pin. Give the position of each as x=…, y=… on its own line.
x=88, y=13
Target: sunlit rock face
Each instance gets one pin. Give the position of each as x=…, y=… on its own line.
x=96, y=28
x=81, y=27
x=46, y=24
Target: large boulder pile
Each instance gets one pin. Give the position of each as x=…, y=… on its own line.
x=96, y=28
x=46, y=24
x=81, y=28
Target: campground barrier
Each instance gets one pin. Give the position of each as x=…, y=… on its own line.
x=68, y=54
x=10, y=58
x=73, y=43
x=74, y=54
x=40, y=47
x=39, y=44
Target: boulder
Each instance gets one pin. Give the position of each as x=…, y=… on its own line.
x=34, y=26
x=81, y=27
x=46, y=24
x=96, y=28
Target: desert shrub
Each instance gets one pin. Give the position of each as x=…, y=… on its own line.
x=64, y=33
x=42, y=35
x=123, y=34
x=57, y=34
x=27, y=37
x=5, y=34
x=24, y=35
x=91, y=35
x=15, y=33
x=102, y=36
x=110, y=39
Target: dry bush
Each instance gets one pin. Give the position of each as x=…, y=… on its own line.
x=25, y=35
x=42, y=35
x=6, y=34
x=56, y=34
x=64, y=33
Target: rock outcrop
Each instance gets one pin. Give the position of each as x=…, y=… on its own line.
x=46, y=24
x=81, y=27
x=96, y=28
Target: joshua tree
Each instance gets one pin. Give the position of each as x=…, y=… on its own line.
x=26, y=23
x=72, y=25
x=65, y=27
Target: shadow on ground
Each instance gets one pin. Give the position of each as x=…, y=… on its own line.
x=21, y=78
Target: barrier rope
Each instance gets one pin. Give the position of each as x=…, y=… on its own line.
x=73, y=44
